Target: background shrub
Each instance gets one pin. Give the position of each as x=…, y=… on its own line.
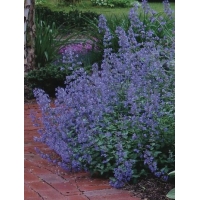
x=47, y=78
x=40, y=2
x=69, y=2
x=149, y=1
x=113, y=3
x=65, y=21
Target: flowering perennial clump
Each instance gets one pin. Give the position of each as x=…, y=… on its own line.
x=77, y=48
x=76, y=54
x=119, y=120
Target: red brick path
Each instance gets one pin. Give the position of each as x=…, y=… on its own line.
x=43, y=180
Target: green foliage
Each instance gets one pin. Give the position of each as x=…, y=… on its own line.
x=122, y=3
x=66, y=22
x=113, y=22
x=162, y=25
x=104, y=165
x=86, y=6
x=172, y=173
x=52, y=33
x=48, y=78
x=47, y=43
x=102, y=3
x=92, y=33
x=68, y=2
x=113, y=3
x=160, y=1
x=40, y=2
x=171, y=193
x=89, y=59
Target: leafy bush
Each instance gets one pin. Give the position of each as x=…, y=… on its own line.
x=40, y=2
x=69, y=2
x=65, y=21
x=117, y=121
x=149, y=1
x=122, y=3
x=113, y=3
x=101, y=3
x=47, y=78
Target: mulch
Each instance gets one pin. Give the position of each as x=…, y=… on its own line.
x=151, y=188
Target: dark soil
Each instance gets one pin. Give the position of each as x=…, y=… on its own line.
x=151, y=188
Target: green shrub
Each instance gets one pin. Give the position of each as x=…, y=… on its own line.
x=122, y=3
x=156, y=1
x=48, y=78
x=68, y=2
x=113, y=3
x=102, y=3
x=65, y=21
x=40, y=2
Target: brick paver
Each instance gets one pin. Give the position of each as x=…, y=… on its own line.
x=43, y=180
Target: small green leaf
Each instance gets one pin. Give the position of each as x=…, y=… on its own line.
x=156, y=153
x=171, y=194
x=135, y=176
x=172, y=173
x=46, y=55
x=110, y=146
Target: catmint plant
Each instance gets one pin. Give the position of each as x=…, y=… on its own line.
x=117, y=121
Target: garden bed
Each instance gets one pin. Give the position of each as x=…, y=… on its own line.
x=115, y=118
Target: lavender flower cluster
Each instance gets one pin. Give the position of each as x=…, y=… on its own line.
x=77, y=48
x=118, y=119
x=74, y=55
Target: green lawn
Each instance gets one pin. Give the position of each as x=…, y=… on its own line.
x=85, y=5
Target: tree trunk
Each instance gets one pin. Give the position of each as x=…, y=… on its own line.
x=29, y=35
